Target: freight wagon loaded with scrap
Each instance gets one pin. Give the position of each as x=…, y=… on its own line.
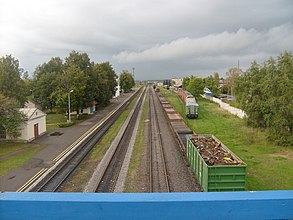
x=214, y=165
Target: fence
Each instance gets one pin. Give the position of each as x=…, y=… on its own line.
x=235, y=111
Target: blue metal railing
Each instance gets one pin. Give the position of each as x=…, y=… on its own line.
x=183, y=206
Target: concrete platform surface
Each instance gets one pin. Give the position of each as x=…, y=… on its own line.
x=53, y=146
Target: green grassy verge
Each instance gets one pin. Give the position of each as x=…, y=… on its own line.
x=133, y=177
x=26, y=151
x=11, y=147
x=83, y=174
x=269, y=167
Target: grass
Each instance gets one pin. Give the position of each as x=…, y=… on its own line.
x=20, y=154
x=53, y=120
x=11, y=147
x=133, y=177
x=84, y=172
x=269, y=167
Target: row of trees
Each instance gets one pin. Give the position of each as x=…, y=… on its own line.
x=51, y=83
x=265, y=93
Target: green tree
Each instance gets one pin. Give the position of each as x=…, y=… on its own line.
x=216, y=77
x=185, y=82
x=45, y=82
x=105, y=82
x=55, y=65
x=73, y=78
x=212, y=84
x=10, y=116
x=126, y=81
x=83, y=62
x=44, y=89
x=195, y=86
x=11, y=84
x=232, y=74
x=265, y=93
x=279, y=89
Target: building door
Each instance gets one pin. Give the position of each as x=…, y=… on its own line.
x=36, y=130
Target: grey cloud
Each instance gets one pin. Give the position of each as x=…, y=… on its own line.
x=241, y=42
x=160, y=38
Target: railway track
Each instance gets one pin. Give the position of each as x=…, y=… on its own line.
x=109, y=179
x=158, y=174
x=67, y=163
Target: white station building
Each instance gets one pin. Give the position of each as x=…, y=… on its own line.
x=34, y=125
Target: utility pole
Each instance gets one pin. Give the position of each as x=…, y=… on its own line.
x=69, y=111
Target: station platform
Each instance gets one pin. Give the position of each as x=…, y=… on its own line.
x=54, y=146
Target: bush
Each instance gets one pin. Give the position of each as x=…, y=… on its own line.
x=65, y=124
x=82, y=116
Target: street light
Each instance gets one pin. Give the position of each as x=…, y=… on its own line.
x=133, y=71
x=69, y=115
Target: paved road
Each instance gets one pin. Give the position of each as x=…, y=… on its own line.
x=53, y=146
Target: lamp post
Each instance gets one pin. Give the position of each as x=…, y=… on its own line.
x=133, y=72
x=69, y=115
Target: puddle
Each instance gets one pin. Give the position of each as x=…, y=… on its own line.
x=56, y=133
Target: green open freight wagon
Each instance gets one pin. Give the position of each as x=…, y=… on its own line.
x=223, y=177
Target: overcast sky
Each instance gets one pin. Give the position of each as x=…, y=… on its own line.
x=159, y=38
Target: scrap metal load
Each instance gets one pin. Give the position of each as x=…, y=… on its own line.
x=191, y=105
x=213, y=152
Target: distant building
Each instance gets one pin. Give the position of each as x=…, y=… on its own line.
x=92, y=107
x=160, y=84
x=177, y=82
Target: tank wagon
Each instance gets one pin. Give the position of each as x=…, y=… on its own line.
x=191, y=105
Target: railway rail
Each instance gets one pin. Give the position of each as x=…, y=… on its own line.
x=51, y=179
x=158, y=174
x=110, y=176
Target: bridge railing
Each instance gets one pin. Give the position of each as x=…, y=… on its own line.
x=231, y=205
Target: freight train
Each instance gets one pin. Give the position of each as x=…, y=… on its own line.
x=191, y=106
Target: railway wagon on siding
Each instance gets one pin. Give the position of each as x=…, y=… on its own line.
x=191, y=105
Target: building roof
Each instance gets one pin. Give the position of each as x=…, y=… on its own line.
x=31, y=113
